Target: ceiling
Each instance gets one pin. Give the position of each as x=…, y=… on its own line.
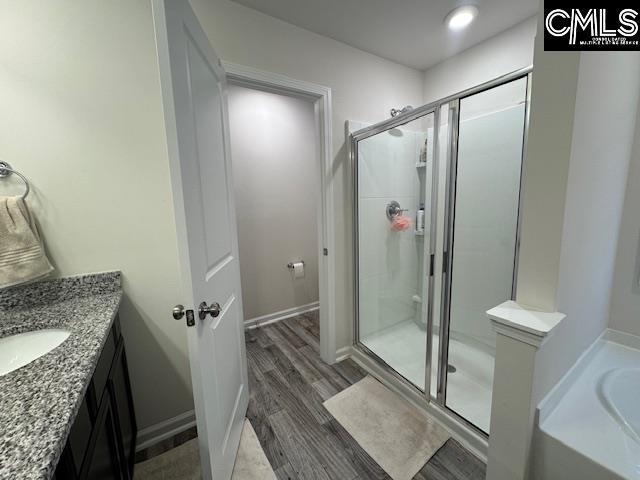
x=409, y=32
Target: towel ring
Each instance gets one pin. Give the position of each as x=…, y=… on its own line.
x=6, y=170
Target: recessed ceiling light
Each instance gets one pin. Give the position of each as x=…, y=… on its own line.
x=461, y=17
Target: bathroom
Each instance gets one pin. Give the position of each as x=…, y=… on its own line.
x=89, y=119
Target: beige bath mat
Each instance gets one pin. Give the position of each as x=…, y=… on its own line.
x=395, y=433
x=183, y=462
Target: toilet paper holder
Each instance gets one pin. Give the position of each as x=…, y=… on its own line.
x=290, y=264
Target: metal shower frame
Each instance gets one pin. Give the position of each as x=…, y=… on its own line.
x=453, y=104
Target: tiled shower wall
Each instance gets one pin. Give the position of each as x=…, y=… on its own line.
x=390, y=262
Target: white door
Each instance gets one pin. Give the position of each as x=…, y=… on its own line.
x=195, y=109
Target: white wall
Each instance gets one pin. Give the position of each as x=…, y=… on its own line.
x=545, y=170
x=603, y=131
x=276, y=174
x=499, y=55
x=364, y=87
x=82, y=119
x=625, y=301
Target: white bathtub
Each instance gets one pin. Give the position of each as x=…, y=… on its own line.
x=589, y=425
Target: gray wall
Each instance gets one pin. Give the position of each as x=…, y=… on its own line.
x=276, y=174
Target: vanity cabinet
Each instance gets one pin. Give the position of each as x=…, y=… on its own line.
x=101, y=442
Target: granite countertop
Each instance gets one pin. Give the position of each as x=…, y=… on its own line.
x=39, y=402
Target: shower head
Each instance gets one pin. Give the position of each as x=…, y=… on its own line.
x=395, y=112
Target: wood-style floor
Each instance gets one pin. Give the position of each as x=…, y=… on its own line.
x=288, y=383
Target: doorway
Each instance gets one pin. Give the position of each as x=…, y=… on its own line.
x=281, y=143
x=276, y=184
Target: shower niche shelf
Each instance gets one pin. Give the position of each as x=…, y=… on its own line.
x=422, y=178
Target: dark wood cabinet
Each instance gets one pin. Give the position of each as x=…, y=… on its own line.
x=101, y=443
x=122, y=402
x=103, y=461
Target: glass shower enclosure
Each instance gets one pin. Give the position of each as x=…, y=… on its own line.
x=436, y=228
x=394, y=178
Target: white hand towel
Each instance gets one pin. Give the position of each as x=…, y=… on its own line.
x=22, y=257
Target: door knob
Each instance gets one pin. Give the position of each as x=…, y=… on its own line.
x=213, y=310
x=178, y=312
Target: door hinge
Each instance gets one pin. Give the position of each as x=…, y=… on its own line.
x=431, y=264
x=325, y=251
x=191, y=320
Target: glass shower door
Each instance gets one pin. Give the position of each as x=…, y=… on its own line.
x=485, y=178
x=421, y=296
x=393, y=199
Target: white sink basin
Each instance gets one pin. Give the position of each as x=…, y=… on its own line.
x=18, y=350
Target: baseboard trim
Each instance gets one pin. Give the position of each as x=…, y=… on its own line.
x=343, y=353
x=281, y=315
x=165, y=429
